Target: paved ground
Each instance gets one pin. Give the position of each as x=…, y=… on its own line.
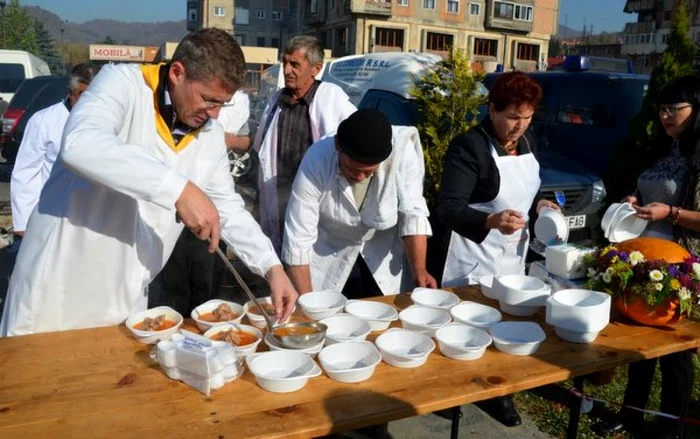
x=474, y=423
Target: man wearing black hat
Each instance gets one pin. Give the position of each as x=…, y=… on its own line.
x=356, y=208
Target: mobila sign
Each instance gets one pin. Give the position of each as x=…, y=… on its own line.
x=109, y=52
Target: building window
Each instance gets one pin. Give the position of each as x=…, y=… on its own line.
x=402, y=2
x=453, y=6
x=274, y=42
x=523, y=13
x=341, y=36
x=277, y=15
x=484, y=47
x=428, y=4
x=242, y=16
x=314, y=6
x=474, y=9
x=261, y=42
x=260, y=14
x=503, y=10
x=388, y=37
x=664, y=39
x=528, y=52
x=219, y=11
x=439, y=42
x=240, y=39
x=668, y=15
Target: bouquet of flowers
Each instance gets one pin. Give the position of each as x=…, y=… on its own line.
x=633, y=277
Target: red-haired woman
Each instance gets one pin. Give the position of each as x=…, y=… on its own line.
x=490, y=181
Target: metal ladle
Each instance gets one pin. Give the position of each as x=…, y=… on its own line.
x=287, y=341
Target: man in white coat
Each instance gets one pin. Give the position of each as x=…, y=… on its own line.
x=298, y=115
x=39, y=148
x=357, y=204
x=140, y=159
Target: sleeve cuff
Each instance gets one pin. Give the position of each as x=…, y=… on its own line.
x=411, y=225
x=170, y=189
x=296, y=256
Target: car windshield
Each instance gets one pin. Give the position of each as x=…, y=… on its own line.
x=630, y=94
x=11, y=76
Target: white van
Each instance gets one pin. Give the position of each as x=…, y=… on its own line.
x=15, y=67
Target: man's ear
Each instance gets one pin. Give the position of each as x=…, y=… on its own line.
x=177, y=73
x=317, y=68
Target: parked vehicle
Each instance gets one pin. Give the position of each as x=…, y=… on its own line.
x=383, y=81
x=33, y=95
x=15, y=67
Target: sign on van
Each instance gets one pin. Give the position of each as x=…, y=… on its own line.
x=110, y=52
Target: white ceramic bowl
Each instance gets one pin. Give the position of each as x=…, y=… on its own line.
x=275, y=345
x=475, y=314
x=378, y=315
x=578, y=315
x=462, y=342
x=152, y=337
x=345, y=328
x=522, y=295
x=255, y=318
x=318, y=305
x=350, y=362
x=423, y=319
x=434, y=298
x=210, y=306
x=282, y=371
x=517, y=338
x=626, y=224
x=551, y=227
x=403, y=348
x=241, y=351
x=486, y=284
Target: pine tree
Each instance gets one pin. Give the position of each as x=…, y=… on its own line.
x=19, y=29
x=629, y=158
x=47, y=51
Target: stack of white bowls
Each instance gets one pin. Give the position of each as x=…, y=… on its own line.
x=578, y=315
x=521, y=295
x=551, y=227
x=620, y=223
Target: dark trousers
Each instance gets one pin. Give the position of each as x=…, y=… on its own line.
x=363, y=286
x=191, y=276
x=676, y=388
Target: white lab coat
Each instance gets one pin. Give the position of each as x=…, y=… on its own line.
x=105, y=224
x=329, y=107
x=235, y=115
x=324, y=229
x=35, y=159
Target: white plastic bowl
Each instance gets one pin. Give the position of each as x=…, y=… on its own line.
x=517, y=338
x=462, y=342
x=210, y=306
x=256, y=319
x=282, y=371
x=274, y=345
x=350, y=362
x=475, y=314
x=318, y=305
x=423, y=319
x=486, y=284
x=152, y=337
x=403, y=348
x=551, y=227
x=609, y=214
x=241, y=351
x=626, y=224
x=378, y=315
x=345, y=328
x=522, y=295
x=434, y=298
x=578, y=315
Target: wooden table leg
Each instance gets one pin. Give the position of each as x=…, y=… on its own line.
x=456, y=415
x=575, y=410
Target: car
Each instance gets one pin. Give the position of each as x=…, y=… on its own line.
x=383, y=80
x=15, y=66
x=32, y=95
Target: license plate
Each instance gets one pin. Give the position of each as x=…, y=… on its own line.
x=576, y=221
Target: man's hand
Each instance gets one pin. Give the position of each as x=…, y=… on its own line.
x=507, y=222
x=284, y=296
x=653, y=211
x=199, y=214
x=546, y=203
x=423, y=279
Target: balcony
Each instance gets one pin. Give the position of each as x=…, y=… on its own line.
x=368, y=7
x=646, y=27
x=633, y=6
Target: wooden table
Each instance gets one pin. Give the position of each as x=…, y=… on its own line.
x=101, y=383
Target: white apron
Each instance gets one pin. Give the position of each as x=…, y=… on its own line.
x=498, y=254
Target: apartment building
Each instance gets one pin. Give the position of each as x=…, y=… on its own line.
x=265, y=23
x=210, y=13
x=644, y=40
x=514, y=33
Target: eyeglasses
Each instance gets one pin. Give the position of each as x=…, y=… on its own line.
x=207, y=103
x=671, y=110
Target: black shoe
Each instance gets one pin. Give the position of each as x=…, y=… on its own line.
x=504, y=411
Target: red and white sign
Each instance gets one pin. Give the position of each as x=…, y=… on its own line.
x=108, y=52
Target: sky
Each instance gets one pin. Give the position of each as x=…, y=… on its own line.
x=605, y=15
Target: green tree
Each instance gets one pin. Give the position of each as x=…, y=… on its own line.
x=47, y=51
x=108, y=40
x=19, y=29
x=448, y=97
x=629, y=158
x=555, y=48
